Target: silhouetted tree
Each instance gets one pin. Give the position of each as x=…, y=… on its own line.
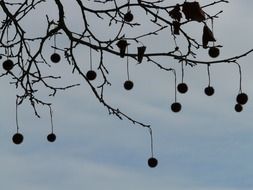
x=23, y=55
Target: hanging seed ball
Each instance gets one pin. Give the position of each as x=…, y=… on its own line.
x=152, y=162
x=8, y=65
x=238, y=108
x=128, y=85
x=17, y=138
x=128, y=17
x=176, y=107
x=214, y=52
x=242, y=98
x=182, y=88
x=51, y=137
x=91, y=75
x=209, y=91
x=55, y=58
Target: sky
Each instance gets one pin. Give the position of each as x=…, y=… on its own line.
x=207, y=146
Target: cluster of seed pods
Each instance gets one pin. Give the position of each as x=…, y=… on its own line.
x=91, y=75
x=241, y=98
x=18, y=138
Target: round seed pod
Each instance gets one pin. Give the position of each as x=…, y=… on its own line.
x=55, y=58
x=51, y=137
x=209, y=91
x=238, y=108
x=242, y=98
x=128, y=17
x=176, y=107
x=8, y=65
x=182, y=88
x=214, y=52
x=17, y=138
x=91, y=75
x=128, y=85
x=152, y=162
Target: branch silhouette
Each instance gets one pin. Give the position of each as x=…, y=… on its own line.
x=23, y=54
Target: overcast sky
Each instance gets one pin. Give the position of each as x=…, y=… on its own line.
x=207, y=146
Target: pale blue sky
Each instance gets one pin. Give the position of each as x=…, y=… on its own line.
x=207, y=146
